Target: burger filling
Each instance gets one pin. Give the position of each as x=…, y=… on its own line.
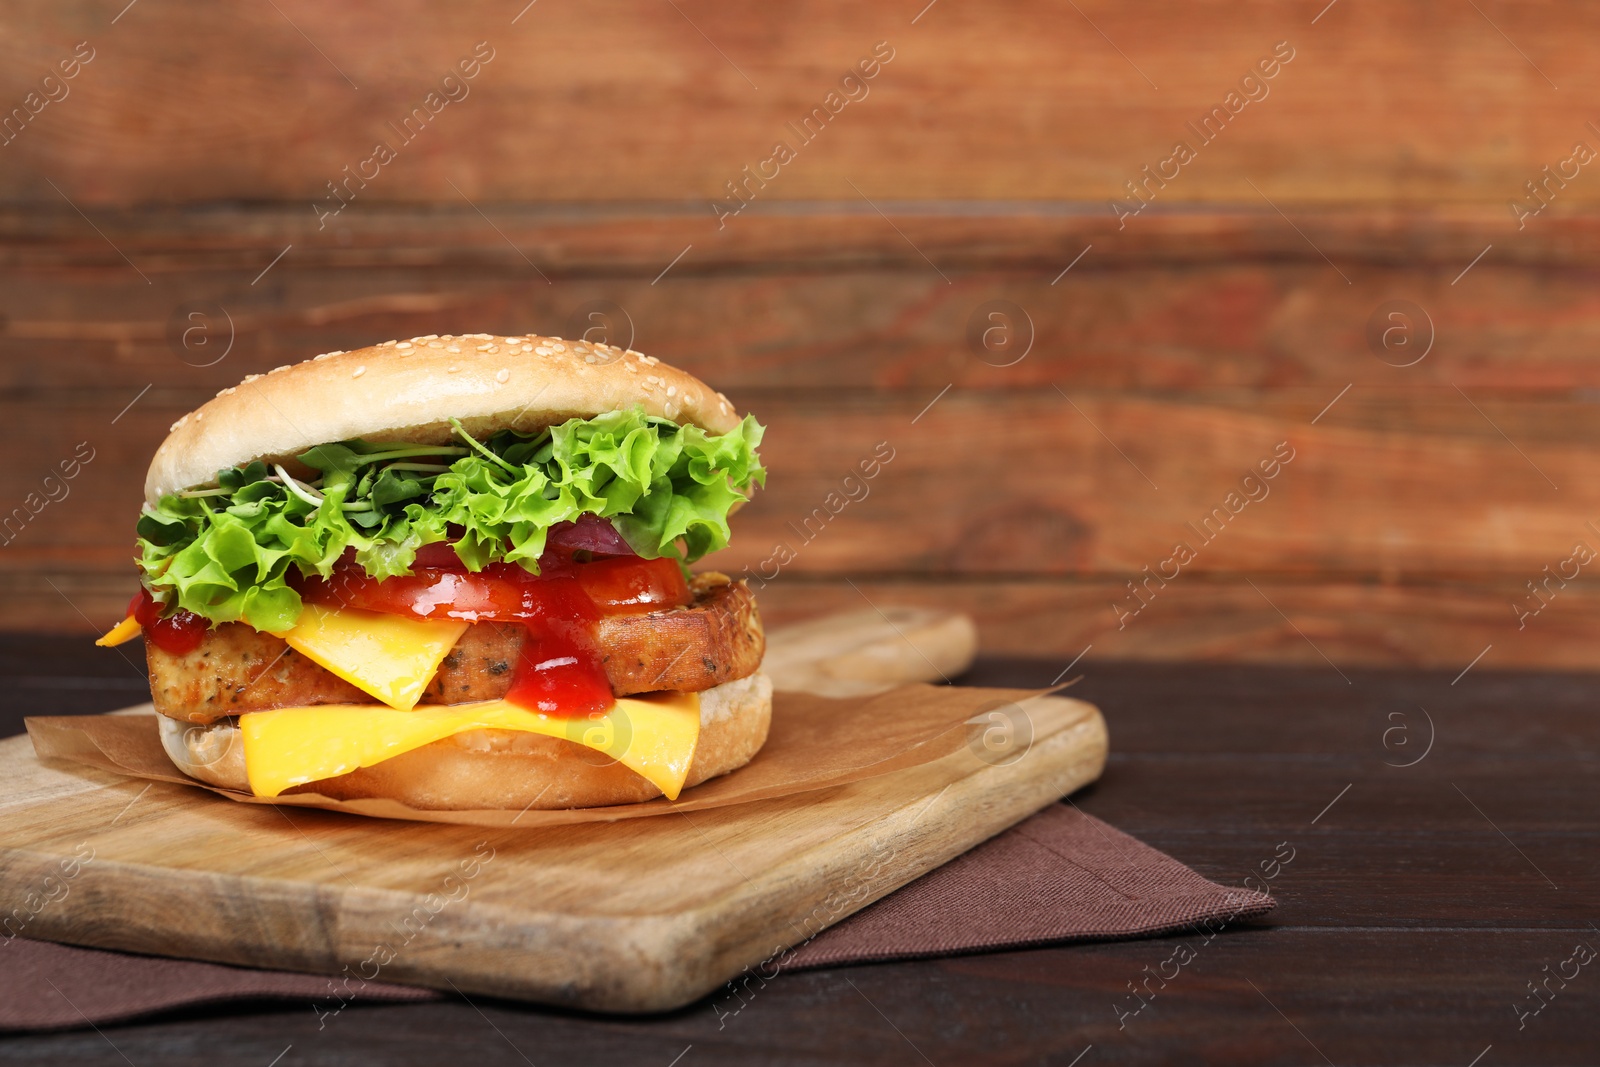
x=532, y=582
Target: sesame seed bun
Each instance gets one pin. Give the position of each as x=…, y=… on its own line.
x=499, y=769
x=409, y=390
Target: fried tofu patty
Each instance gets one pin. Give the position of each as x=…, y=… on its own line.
x=716, y=638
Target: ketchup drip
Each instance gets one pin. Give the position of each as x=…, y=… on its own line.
x=559, y=669
x=178, y=633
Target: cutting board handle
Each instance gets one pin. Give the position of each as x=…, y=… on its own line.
x=853, y=653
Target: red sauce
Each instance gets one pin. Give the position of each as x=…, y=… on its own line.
x=559, y=670
x=559, y=673
x=178, y=633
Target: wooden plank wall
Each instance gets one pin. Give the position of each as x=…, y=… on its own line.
x=1238, y=311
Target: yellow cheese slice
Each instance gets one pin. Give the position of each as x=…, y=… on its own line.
x=390, y=657
x=126, y=630
x=653, y=736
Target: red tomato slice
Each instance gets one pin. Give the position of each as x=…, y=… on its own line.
x=624, y=586
x=506, y=592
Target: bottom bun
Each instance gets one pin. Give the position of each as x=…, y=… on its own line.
x=490, y=769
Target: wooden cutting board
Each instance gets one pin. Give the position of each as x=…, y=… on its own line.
x=640, y=915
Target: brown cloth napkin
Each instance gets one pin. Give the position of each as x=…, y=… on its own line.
x=1059, y=876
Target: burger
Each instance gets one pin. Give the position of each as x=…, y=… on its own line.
x=453, y=572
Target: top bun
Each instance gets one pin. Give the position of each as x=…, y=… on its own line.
x=409, y=391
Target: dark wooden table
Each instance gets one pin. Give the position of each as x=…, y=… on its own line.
x=1419, y=904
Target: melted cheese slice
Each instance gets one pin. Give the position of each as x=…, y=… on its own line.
x=653, y=736
x=121, y=633
x=389, y=657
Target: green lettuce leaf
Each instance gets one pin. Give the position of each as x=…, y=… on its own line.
x=227, y=553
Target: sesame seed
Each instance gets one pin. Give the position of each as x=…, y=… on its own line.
x=672, y=390
x=631, y=368
x=275, y=370
x=559, y=348
x=435, y=344
x=484, y=348
x=249, y=378
x=429, y=337
x=502, y=376
x=513, y=340
x=542, y=350
x=403, y=344
x=388, y=344
x=526, y=347
x=359, y=371
x=453, y=348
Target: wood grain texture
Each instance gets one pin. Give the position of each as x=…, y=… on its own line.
x=825, y=299
x=606, y=917
x=1381, y=546
x=1442, y=625
x=1416, y=103
x=855, y=652
x=1046, y=483
x=1326, y=626
x=1226, y=315
x=1406, y=927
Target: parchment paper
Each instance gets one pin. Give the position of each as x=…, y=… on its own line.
x=815, y=743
